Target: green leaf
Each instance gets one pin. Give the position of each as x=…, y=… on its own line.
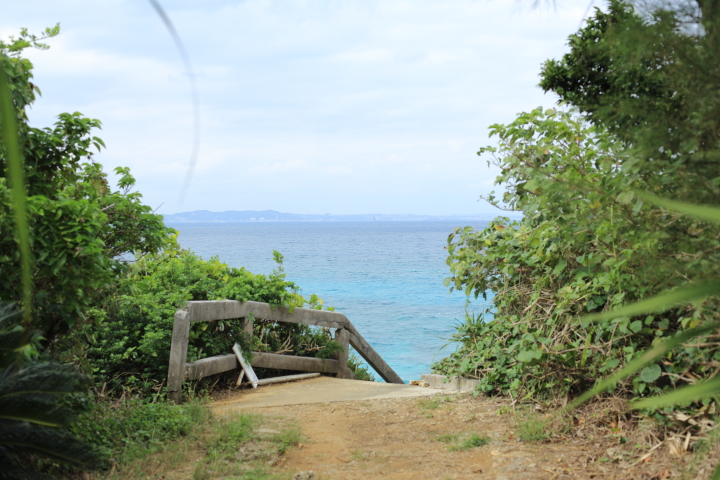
x=531, y=185
x=612, y=363
x=651, y=373
x=524, y=356
x=626, y=197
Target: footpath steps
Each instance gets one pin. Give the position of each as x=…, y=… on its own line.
x=319, y=390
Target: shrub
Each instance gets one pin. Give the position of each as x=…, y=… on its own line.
x=586, y=244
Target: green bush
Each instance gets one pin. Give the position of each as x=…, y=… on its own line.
x=361, y=371
x=586, y=244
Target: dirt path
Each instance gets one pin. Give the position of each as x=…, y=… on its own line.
x=412, y=438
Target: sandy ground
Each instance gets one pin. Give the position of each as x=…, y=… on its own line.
x=400, y=438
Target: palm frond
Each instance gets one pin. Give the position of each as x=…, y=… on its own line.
x=32, y=397
x=22, y=438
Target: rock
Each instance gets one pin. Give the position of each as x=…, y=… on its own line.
x=252, y=451
x=304, y=475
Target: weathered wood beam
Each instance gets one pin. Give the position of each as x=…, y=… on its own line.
x=224, y=363
x=290, y=362
x=247, y=327
x=211, y=366
x=205, y=311
x=372, y=357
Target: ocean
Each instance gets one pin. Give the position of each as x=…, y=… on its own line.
x=386, y=277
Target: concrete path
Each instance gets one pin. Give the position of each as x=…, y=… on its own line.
x=318, y=390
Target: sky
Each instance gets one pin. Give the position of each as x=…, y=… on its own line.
x=306, y=106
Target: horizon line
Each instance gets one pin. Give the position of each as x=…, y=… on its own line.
x=498, y=213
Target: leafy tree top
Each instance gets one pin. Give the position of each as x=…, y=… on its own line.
x=651, y=77
x=81, y=228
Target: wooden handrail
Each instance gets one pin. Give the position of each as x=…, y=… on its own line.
x=224, y=363
x=211, y=310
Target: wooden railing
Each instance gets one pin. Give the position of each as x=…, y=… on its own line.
x=207, y=311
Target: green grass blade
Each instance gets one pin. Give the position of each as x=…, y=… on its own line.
x=17, y=183
x=645, y=359
x=680, y=395
x=659, y=302
x=701, y=212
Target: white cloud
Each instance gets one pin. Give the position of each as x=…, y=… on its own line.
x=288, y=166
x=364, y=56
x=379, y=105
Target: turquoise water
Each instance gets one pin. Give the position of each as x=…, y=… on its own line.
x=386, y=277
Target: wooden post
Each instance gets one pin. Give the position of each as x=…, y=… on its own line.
x=178, y=356
x=247, y=326
x=342, y=336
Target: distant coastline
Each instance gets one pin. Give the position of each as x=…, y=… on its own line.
x=206, y=216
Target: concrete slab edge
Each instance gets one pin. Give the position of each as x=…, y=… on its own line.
x=454, y=383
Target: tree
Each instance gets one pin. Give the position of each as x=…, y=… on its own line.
x=81, y=229
x=650, y=76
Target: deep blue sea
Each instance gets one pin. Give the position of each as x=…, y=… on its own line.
x=386, y=277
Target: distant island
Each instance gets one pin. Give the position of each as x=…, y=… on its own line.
x=206, y=216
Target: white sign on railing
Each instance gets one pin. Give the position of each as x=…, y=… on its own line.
x=247, y=369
